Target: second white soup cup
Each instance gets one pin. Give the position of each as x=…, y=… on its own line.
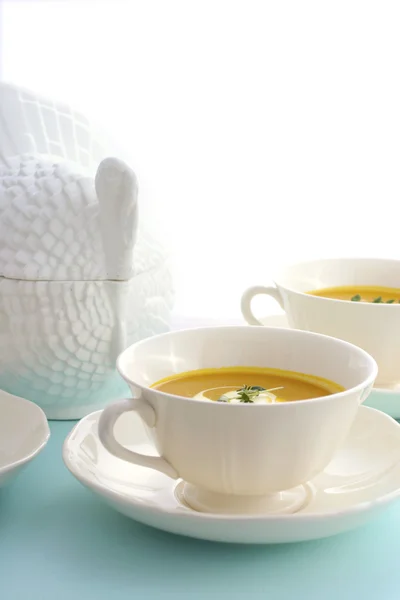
x=373, y=327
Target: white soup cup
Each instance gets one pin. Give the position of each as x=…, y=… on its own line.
x=373, y=327
x=238, y=457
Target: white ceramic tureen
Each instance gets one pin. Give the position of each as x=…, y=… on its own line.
x=79, y=281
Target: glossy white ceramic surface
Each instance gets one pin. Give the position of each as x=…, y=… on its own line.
x=361, y=480
x=23, y=434
x=373, y=327
x=240, y=449
x=388, y=401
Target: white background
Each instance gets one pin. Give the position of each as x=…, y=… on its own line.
x=261, y=132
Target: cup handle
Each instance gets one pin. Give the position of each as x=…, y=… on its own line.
x=107, y=421
x=248, y=296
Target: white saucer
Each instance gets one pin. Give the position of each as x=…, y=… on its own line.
x=388, y=401
x=363, y=478
x=24, y=432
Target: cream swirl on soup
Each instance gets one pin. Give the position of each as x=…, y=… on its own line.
x=247, y=385
x=242, y=394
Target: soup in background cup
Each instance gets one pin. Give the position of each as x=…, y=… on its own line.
x=235, y=457
x=373, y=325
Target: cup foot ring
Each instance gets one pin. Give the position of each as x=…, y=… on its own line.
x=279, y=503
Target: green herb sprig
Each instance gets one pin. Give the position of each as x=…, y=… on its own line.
x=378, y=300
x=248, y=393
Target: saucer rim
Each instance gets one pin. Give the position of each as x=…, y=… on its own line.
x=385, y=392
x=42, y=422
x=189, y=513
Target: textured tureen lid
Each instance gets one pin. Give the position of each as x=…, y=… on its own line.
x=57, y=223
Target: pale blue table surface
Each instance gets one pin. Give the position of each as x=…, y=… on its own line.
x=58, y=541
